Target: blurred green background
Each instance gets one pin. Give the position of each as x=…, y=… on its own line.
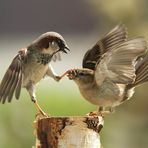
x=82, y=23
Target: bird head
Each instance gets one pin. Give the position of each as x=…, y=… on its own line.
x=50, y=43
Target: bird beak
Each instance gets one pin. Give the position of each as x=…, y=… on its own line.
x=64, y=49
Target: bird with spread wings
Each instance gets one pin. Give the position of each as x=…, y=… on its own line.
x=112, y=68
x=30, y=65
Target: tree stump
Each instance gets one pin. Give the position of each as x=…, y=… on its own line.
x=68, y=132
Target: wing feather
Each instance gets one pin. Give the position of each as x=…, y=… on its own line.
x=118, y=64
x=11, y=80
x=14, y=83
x=18, y=87
x=115, y=37
x=5, y=82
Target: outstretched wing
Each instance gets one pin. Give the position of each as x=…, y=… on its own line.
x=12, y=80
x=115, y=37
x=118, y=64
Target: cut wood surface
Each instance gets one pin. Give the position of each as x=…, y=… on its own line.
x=68, y=132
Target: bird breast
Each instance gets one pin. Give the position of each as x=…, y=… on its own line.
x=33, y=72
x=108, y=94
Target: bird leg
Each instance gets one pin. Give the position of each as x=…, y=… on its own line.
x=39, y=109
x=64, y=74
x=31, y=90
x=58, y=78
x=97, y=112
x=50, y=72
x=103, y=110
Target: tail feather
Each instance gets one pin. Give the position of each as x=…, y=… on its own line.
x=141, y=72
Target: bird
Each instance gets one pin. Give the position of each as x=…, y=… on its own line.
x=31, y=65
x=111, y=70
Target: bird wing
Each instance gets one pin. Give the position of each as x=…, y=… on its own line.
x=116, y=36
x=12, y=80
x=118, y=64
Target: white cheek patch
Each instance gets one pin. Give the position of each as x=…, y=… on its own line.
x=52, y=43
x=49, y=50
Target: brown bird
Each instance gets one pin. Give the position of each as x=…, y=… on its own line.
x=30, y=65
x=112, y=69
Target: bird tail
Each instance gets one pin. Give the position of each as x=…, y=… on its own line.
x=141, y=72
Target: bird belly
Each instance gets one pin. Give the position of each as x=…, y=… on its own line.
x=106, y=95
x=34, y=72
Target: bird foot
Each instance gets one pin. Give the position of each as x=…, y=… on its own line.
x=70, y=73
x=44, y=114
x=95, y=114
x=41, y=115
x=101, y=113
x=39, y=109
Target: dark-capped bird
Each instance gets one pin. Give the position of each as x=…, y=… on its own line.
x=30, y=65
x=112, y=68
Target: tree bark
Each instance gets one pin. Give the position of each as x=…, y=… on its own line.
x=68, y=132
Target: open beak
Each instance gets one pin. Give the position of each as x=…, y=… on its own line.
x=64, y=49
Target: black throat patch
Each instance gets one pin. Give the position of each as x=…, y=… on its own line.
x=44, y=58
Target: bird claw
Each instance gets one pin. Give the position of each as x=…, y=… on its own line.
x=101, y=113
x=41, y=115
x=71, y=74
x=95, y=114
x=40, y=111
